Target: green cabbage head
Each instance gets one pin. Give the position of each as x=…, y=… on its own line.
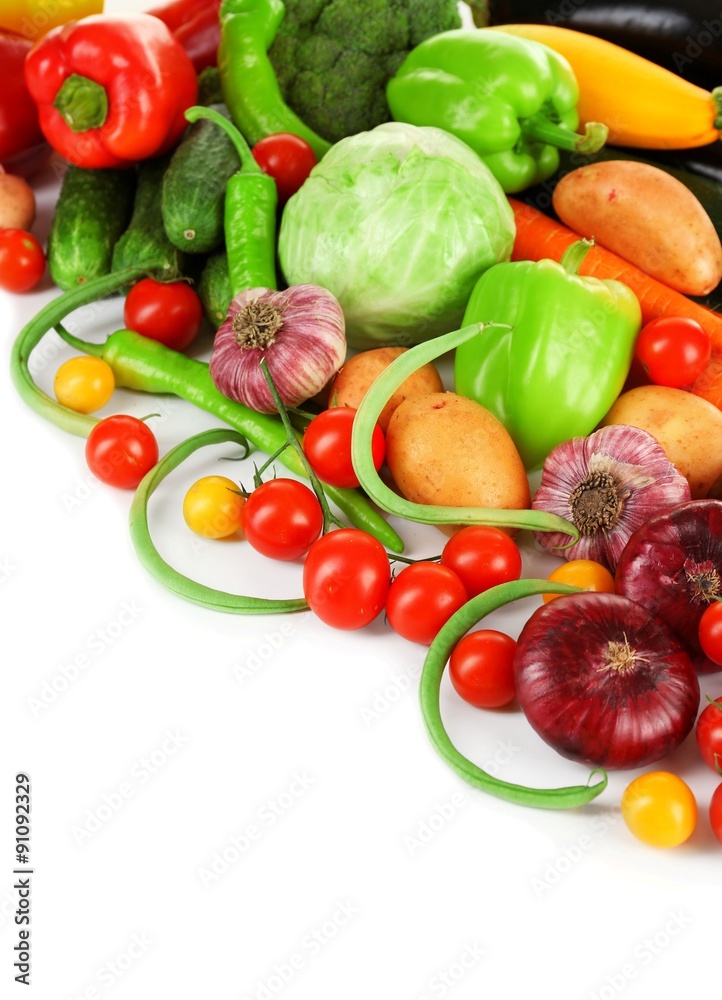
x=398, y=223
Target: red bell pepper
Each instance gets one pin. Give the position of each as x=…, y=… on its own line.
x=197, y=26
x=20, y=137
x=111, y=89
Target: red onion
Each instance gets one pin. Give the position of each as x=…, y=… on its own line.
x=299, y=331
x=672, y=565
x=604, y=681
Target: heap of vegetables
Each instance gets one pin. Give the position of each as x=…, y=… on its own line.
x=338, y=256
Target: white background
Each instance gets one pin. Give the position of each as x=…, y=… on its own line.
x=157, y=733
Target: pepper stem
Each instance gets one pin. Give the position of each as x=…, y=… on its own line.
x=574, y=255
x=82, y=103
x=248, y=164
x=717, y=103
x=542, y=129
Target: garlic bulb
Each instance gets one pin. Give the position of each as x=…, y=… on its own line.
x=299, y=331
x=607, y=484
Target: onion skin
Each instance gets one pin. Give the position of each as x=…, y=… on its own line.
x=596, y=714
x=304, y=354
x=670, y=563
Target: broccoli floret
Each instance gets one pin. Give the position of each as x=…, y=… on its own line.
x=333, y=58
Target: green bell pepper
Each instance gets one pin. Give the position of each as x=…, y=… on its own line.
x=555, y=374
x=511, y=99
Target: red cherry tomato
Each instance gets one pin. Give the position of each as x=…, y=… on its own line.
x=282, y=518
x=715, y=812
x=709, y=735
x=710, y=631
x=169, y=312
x=327, y=446
x=481, y=668
x=22, y=260
x=346, y=578
x=482, y=557
x=120, y=450
x=287, y=158
x=422, y=598
x=673, y=350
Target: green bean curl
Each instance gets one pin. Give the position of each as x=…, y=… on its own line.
x=368, y=413
x=172, y=579
x=429, y=689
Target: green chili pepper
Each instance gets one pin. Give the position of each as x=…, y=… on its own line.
x=150, y=558
x=368, y=413
x=429, y=686
x=148, y=366
x=249, y=215
x=510, y=99
x=553, y=373
x=250, y=88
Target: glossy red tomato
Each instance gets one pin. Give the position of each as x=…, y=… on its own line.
x=715, y=812
x=481, y=668
x=673, y=350
x=346, y=578
x=169, y=312
x=710, y=631
x=422, y=598
x=22, y=260
x=282, y=518
x=120, y=450
x=709, y=735
x=482, y=557
x=327, y=446
x=287, y=158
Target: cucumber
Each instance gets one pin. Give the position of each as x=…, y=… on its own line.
x=194, y=186
x=145, y=243
x=214, y=288
x=93, y=209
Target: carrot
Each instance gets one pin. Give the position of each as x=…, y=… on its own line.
x=538, y=237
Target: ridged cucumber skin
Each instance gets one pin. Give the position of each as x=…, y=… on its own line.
x=93, y=210
x=145, y=243
x=194, y=186
x=214, y=288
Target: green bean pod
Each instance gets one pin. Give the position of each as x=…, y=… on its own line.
x=429, y=688
x=163, y=572
x=249, y=214
x=368, y=413
x=146, y=365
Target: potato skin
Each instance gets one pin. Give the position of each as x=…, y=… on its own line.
x=17, y=202
x=445, y=449
x=646, y=216
x=688, y=428
x=354, y=379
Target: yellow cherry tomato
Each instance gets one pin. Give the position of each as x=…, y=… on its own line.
x=659, y=809
x=84, y=384
x=212, y=507
x=584, y=573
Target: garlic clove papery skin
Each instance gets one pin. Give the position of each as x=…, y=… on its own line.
x=300, y=332
x=607, y=484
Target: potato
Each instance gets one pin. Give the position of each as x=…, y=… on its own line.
x=647, y=217
x=688, y=427
x=448, y=450
x=355, y=377
x=17, y=202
